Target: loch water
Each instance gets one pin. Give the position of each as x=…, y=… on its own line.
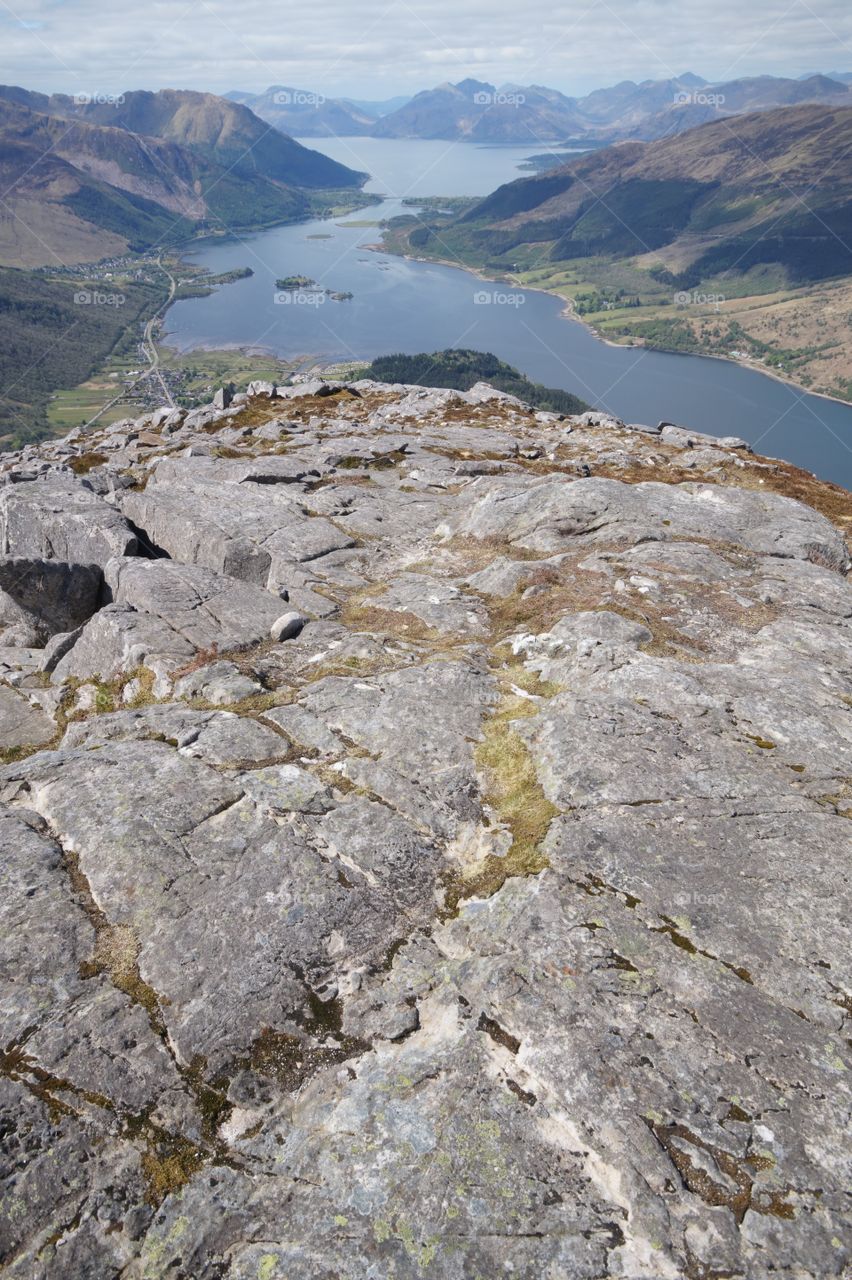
x=403, y=305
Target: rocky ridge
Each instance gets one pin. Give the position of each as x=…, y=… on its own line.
x=426, y=828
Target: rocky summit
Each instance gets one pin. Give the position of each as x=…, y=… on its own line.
x=425, y=847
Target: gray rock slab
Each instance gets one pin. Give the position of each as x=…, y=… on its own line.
x=215, y=737
x=494, y=950
x=385, y=715
x=203, y=607
x=118, y=639
x=549, y=515
x=441, y=606
x=168, y=845
x=221, y=683
x=21, y=723
x=61, y=520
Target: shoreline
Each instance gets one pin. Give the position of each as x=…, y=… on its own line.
x=568, y=313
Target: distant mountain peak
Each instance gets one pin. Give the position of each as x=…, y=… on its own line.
x=470, y=87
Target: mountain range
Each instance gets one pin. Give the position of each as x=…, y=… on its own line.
x=86, y=180
x=477, y=111
x=770, y=187
x=307, y=114
x=685, y=109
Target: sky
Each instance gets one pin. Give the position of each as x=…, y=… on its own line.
x=341, y=48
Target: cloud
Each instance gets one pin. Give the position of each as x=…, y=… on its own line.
x=335, y=47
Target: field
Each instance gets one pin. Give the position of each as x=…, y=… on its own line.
x=202, y=372
x=67, y=409
x=192, y=378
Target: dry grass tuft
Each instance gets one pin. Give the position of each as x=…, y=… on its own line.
x=359, y=614
x=82, y=463
x=468, y=555
x=202, y=659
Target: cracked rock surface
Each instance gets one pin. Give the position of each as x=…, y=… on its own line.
x=494, y=923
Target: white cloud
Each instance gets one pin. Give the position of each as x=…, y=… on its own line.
x=333, y=46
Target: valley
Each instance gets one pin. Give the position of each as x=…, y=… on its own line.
x=237, y=333
x=639, y=260
x=718, y=242
x=100, y=199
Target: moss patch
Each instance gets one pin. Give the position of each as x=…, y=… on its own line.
x=116, y=954
x=168, y=1165
x=515, y=796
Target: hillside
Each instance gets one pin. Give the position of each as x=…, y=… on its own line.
x=671, y=241
x=460, y=369
x=223, y=131
x=79, y=190
x=48, y=342
x=226, y=132
x=425, y=845
x=719, y=194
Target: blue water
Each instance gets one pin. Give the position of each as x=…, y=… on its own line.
x=401, y=305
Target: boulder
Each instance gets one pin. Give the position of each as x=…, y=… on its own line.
x=56, y=596
x=223, y=397
x=264, y=390
x=57, y=519
x=287, y=626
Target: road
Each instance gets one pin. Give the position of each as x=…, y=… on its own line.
x=149, y=346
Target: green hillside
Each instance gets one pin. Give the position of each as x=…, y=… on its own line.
x=83, y=183
x=459, y=368
x=47, y=341
x=770, y=188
